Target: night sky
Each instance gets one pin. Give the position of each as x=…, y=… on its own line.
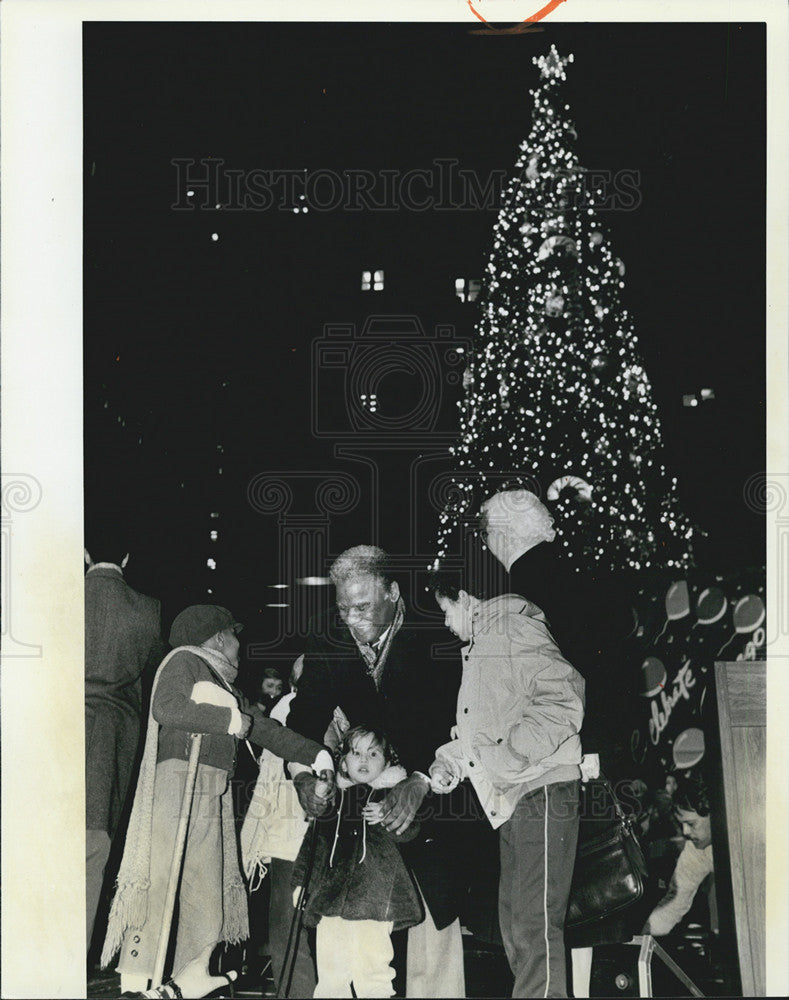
x=195, y=343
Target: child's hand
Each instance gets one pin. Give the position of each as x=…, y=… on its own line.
x=372, y=812
x=442, y=779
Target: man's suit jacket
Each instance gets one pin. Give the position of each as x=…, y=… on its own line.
x=123, y=639
x=415, y=706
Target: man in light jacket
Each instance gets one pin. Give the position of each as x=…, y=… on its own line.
x=519, y=714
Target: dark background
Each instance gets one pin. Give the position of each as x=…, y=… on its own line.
x=192, y=344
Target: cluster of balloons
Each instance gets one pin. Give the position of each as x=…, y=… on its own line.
x=748, y=615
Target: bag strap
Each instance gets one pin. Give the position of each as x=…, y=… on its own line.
x=622, y=816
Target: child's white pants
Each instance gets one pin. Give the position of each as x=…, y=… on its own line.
x=354, y=951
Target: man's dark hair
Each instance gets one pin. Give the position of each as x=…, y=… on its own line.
x=480, y=577
x=692, y=795
x=271, y=673
x=107, y=541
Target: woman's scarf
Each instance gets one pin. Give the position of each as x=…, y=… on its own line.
x=129, y=909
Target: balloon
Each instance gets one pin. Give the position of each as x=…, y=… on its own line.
x=748, y=613
x=711, y=605
x=688, y=748
x=653, y=677
x=677, y=601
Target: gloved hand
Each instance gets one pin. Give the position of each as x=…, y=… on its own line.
x=316, y=795
x=402, y=803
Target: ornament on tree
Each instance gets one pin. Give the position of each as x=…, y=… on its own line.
x=595, y=239
x=533, y=171
x=580, y=486
x=551, y=225
x=554, y=306
x=620, y=266
x=600, y=362
x=468, y=378
x=503, y=392
x=633, y=376
x=562, y=242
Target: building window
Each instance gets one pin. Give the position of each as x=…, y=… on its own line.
x=467, y=289
x=372, y=280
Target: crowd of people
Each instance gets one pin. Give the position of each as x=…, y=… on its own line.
x=392, y=754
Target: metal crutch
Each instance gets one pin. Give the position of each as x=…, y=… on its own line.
x=292, y=947
x=178, y=854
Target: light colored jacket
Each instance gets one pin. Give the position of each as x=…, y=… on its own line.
x=693, y=866
x=520, y=708
x=275, y=823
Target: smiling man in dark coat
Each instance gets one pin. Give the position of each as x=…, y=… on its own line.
x=368, y=660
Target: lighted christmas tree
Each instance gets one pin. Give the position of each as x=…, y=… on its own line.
x=556, y=393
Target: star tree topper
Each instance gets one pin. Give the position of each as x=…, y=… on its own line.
x=552, y=65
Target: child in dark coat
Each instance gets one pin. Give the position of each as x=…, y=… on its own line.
x=360, y=889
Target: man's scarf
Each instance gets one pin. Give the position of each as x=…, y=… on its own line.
x=376, y=660
x=129, y=909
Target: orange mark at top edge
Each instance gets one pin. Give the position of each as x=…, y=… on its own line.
x=550, y=6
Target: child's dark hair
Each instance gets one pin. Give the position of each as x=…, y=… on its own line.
x=380, y=739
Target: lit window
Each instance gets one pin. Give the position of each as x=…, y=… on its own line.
x=211, y=563
x=214, y=535
x=690, y=400
x=468, y=289
x=372, y=280
x=707, y=394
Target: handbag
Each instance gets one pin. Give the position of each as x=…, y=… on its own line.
x=610, y=872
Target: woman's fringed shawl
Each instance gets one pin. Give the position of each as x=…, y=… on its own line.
x=129, y=909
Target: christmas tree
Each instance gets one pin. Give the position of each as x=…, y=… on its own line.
x=557, y=396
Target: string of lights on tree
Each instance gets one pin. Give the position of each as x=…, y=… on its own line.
x=556, y=393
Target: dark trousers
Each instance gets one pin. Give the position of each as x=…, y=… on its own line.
x=281, y=912
x=538, y=845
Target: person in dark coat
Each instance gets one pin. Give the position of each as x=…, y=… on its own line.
x=359, y=889
x=123, y=640
x=366, y=659
x=586, y=612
